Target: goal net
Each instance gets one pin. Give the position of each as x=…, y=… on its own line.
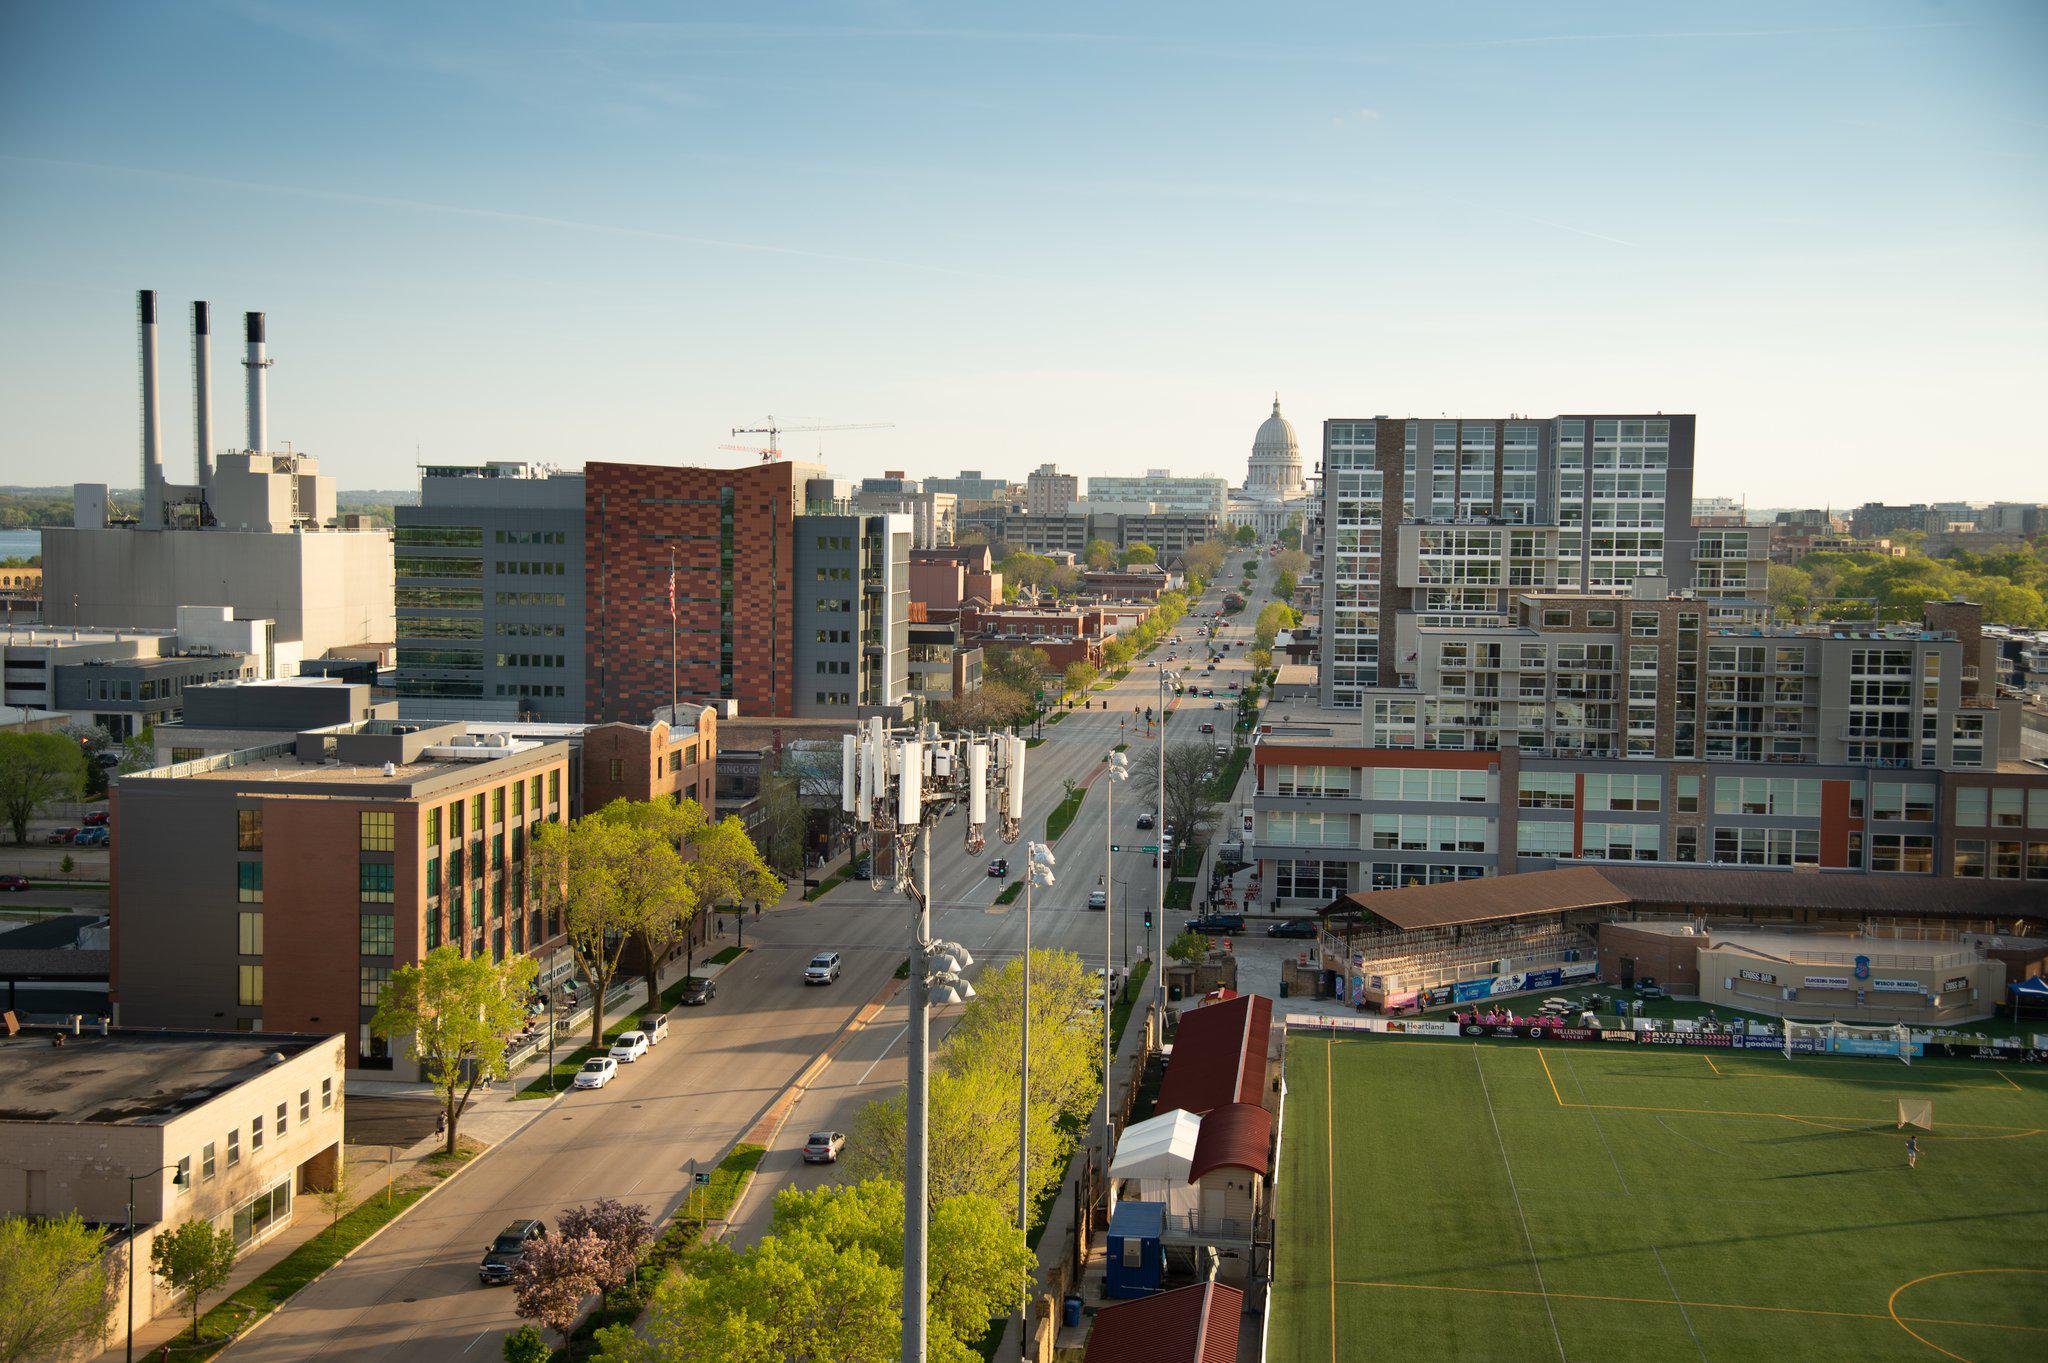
x=1846, y=1038
x=1916, y=1112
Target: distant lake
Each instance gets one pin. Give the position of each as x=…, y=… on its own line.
x=20, y=543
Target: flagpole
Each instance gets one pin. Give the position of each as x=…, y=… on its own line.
x=672, y=682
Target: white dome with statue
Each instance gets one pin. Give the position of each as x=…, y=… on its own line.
x=1275, y=469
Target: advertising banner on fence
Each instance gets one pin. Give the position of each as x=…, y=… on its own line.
x=1869, y=1045
x=1551, y=977
x=1531, y=1031
x=1722, y=1039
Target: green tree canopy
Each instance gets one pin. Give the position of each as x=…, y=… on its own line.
x=193, y=1260
x=458, y=1015
x=57, y=1286
x=36, y=771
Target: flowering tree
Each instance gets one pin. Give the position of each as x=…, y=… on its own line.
x=621, y=1228
x=554, y=1276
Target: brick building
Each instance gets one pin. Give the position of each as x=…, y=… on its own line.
x=728, y=533
x=652, y=761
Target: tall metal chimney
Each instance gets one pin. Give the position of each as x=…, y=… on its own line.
x=202, y=390
x=152, y=422
x=252, y=330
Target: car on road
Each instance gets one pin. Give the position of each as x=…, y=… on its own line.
x=1221, y=752
x=13, y=883
x=698, y=991
x=1218, y=705
x=502, y=1258
x=1293, y=927
x=823, y=969
x=1216, y=924
x=61, y=835
x=1207, y=727
x=96, y=818
x=1097, y=899
x=824, y=1146
x=998, y=869
x=596, y=1073
x=1144, y=821
x=629, y=1047
x=655, y=1029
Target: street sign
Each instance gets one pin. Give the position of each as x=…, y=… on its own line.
x=704, y=1179
x=1149, y=847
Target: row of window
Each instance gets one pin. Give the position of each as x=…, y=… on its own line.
x=2001, y=807
x=1978, y=858
x=210, y=1154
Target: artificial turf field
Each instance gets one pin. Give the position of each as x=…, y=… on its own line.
x=1498, y=1201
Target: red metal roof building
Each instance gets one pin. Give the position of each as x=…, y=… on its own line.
x=1234, y=1136
x=1219, y=1055
x=1197, y=1324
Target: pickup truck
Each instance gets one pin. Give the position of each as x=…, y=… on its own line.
x=1216, y=924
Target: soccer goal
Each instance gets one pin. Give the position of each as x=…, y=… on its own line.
x=1916, y=1112
x=1846, y=1038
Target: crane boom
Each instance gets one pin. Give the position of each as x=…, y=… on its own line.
x=775, y=432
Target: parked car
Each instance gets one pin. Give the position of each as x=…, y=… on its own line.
x=629, y=1047
x=91, y=837
x=1293, y=927
x=824, y=1146
x=96, y=818
x=63, y=835
x=698, y=992
x=823, y=969
x=1216, y=924
x=655, y=1029
x=505, y=1252
x=596, y=1073
x=1097, y=899
x=13, y=883
x=999, y=868
x=1144, y=821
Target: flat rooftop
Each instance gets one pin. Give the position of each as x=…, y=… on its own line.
x=131, y=1078
x=287, y=769
x=1823, y=948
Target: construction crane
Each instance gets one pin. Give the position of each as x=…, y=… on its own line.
x=775, y=434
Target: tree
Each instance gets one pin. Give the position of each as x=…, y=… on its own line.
x=458, y=1014
x=1190, y=946
x=623, y=1231
x=1079, y=676
x=527, y=1345
x=1066, y=1034
x=36, y=770
x=972, y=1134
x=1189, y=804
x=1291, y=536
x=603, y=877
x=1118, y=652
x=1099, y=554
x=1277, y=615
x=1202, y=561
x=726, y=868
x=782, y=825
x=192, y=1261
x=1021, y=668
x=1261, y=659
x=57, y=1286
x=1245, y=536
x=1137, y=553
x=992, y=705
x=334, y=1197
x=554, y=1276
x=1790, y=592
x=690, y=864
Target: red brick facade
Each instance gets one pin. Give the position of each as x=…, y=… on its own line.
x=634, y=515
x=644, y=762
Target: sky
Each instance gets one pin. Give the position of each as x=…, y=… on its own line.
x=1096, y=235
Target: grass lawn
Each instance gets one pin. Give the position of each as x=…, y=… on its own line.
x=1521, y=1202
x=1063, y=813
x=727, y=956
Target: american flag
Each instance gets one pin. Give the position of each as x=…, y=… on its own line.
x=671, y=591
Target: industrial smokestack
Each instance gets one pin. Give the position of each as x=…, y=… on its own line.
x=152, y=422
x=202, y=391
x=252, y=330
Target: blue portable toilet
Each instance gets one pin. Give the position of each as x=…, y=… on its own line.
x=1136, y=1259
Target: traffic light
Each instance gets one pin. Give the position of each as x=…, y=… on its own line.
x=1148, y=920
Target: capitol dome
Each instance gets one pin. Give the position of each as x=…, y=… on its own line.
x=1275, y=469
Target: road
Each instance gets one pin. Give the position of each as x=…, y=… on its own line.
x=412, y=1294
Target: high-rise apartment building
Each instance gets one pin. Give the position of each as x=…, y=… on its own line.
x=1447, y=518
x=851, y=616
x=490, y=594
x=1048, y=492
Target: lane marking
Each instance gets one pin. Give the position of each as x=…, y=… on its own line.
x=883, y=1056
x=1659, y=1257
x=1527, y=1239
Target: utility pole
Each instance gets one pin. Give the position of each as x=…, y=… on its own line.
x=1158, y=943
x=1038, y=864
x=1119, y=770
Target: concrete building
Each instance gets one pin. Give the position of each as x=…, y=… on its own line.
x=233, y=1130
x=723, y=538
x=125, y=697
x=227, y=717
x=973, y=489
x=380, y=841
x=850, y=622
x=490, y=594
x=256, y=533
x=1874, y=520
x=934, y=516
x=1168, y=492
x=942, y=668
x=1449, y=516
x=126, y=680
x=1048, y=492
x=1169, y=533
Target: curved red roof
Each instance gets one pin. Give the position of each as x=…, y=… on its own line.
x=1234, y=1136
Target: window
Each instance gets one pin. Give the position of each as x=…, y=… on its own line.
x=1641, y=793
x=433, y=876
x=1621, y=842
x=378, y=882
x=2007, y=807
x=326, y=1094
x=184, y=1180
x=1642, y=624
x=1688, y=794
x=2037, y=861
x=455, y=820
x=206, y=1162
x=1599, y=619
x=283, y=1114
x=378, y=832
x=305, y=1105
x=1973, y=806
x=377, y=935
x=1969, y=861
x=2006, y=860
x=255, y=1133
x=1534, y=839
x=498, y=804
x=249, y=986
x=554, y=787
x=433, y=827
x=1911, y=853
x=476, y=811
x=249, y=881
x=1910, y=802
x=249, y=830
x=249, y=932
x=371, y=984
x=234, y=1148
x=1546, y=790
x=518, y=798
x=618, y=769
x=1685, y=844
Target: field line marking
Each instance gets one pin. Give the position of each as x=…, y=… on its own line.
x=1710, y=1065
x=1551, y=1077
x=1598, y=1129
x=1330, y=1180
x=1714, y=1305
x=1527, y=1239
x=1891, y=1304
x=1659, y=1257
x=2007, y=1078
x=1790, y=1116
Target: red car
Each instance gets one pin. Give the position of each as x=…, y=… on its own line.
x=96, y=818
x=61, y=835
x=13, y=883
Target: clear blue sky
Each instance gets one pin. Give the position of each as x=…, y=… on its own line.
x=1098, y=235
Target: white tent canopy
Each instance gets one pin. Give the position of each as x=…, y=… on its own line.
x=1158, y=1155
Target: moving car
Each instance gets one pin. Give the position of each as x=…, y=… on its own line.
x=823, y=969
x=824, y=1146
x=629, y=1047
x=505, y=1252
x=92, y=837
x=698, y=992
x=1221, y=752
x=596, y=1073
x=1216, y=924
x=1207, y=727
x=1293, y=927
x=13, y=883
x=1144, y=821
x=1097, y=899
x=655, y=1029
x=999, y=868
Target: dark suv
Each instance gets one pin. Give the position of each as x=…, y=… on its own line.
x=507, y=1250
x=1217, y=924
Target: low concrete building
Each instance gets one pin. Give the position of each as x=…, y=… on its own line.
x=218, y=1127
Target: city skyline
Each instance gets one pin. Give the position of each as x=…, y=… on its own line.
x=619, y=237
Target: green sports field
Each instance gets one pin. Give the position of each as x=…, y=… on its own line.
x=1498, y=1201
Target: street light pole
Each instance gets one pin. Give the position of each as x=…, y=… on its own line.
x=1119, y=770
x=916, y=1135
x=1038, y=864
x=1158, y=944
x=176, y=1182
